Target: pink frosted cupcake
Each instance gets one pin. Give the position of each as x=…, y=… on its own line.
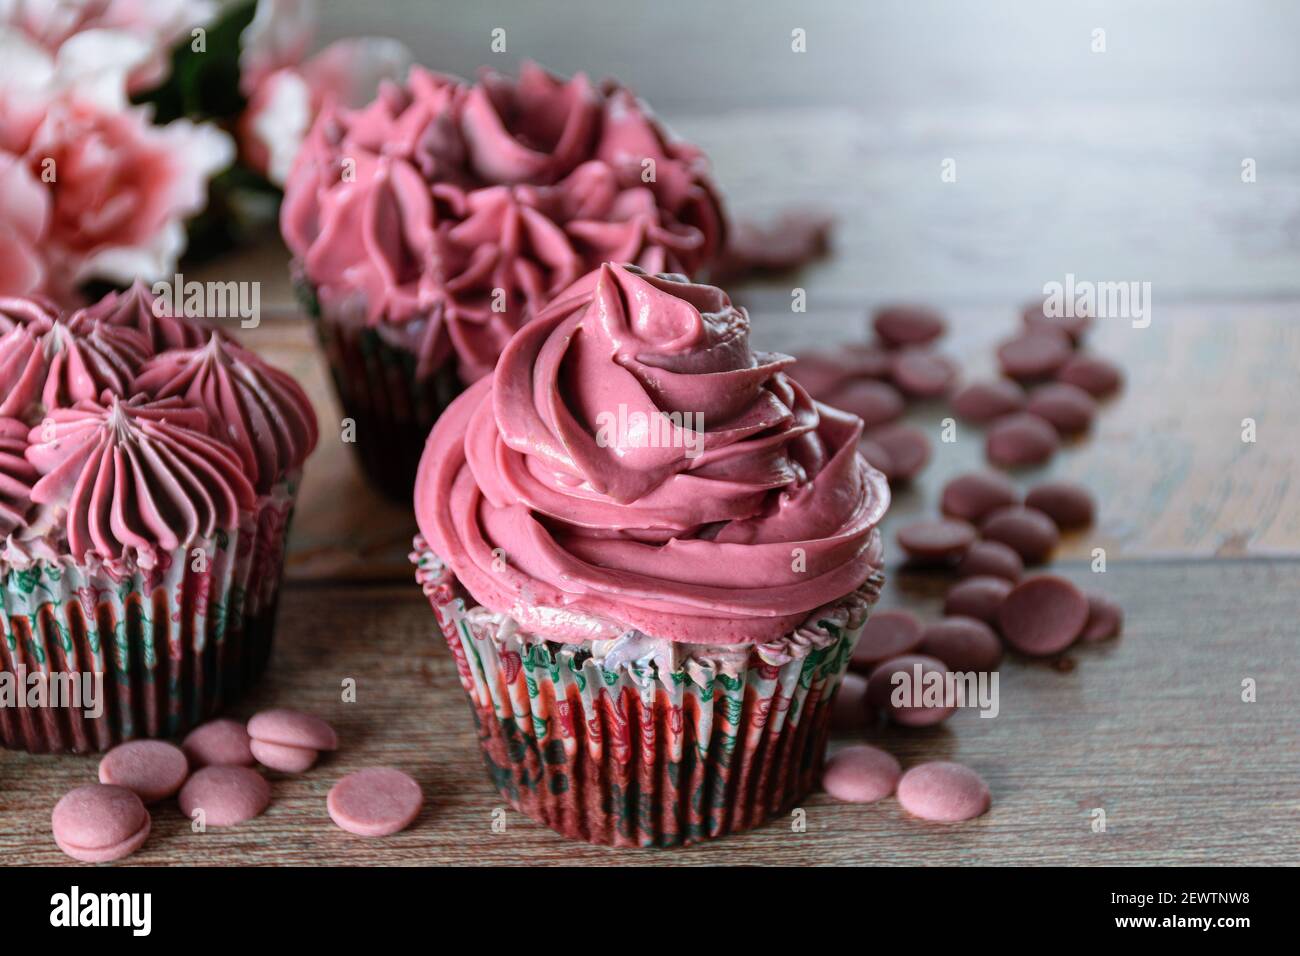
x=428, y=225
x=148, y=468
x=651, y=554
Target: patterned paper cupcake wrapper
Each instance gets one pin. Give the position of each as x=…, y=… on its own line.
x=628, y=755
x=151, y=653
x=379, y=386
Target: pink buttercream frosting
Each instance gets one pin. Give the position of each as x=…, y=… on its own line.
x=126, y=432
x=468, y=206
x=733, y=533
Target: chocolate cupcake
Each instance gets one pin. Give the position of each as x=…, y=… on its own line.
x=148, y=469
x=651, y=553
x=427, y=226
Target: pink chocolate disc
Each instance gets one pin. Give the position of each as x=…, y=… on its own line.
x=861, y=774
x=1095, y=376
x=226, y=795
x=978, y=597
x=964, y=644
x=1043, y=615
x=1035, y=355
x=876, y=403
x=153, y=769
x=1027, y=531
x=923, y=374
x=982, y=402
x=220, y=742
x=1036, y=318
x=293, y=728
x=375, y=802
x=908, y=449
x=1020, y=439
x=991, y=559
x=1068, y=505
x=284, y=758
x=936, y=540
x=1105, y=619
x=100, y=822
x=886, y=634
x=943, y=791
x=900, y=325
x=1067, y=408
x=973, y=495
x=883, y=688
x=877, y=457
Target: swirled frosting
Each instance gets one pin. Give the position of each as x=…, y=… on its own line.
x=137, y=308
x=16, y=475
x=749, y=510
x=135, y=479
x=261, y=412
x=468, y=205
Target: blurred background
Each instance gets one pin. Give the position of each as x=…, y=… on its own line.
x=1117, y=165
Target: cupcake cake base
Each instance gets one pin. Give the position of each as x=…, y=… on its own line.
x=639, y=742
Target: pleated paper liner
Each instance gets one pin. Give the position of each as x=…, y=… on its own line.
x=158, y=650
x=379, y=388
x=628, y=756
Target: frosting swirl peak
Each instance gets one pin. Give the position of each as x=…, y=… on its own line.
x=633, y=463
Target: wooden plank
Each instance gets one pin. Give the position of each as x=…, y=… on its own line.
x=1151, y=729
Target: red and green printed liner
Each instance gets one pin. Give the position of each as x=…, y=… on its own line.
x=173, y=645
x=379, y=386
x=627, y=756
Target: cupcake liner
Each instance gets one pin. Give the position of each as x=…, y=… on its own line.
x=621, y=747
x=381, y=388
x=164, y=648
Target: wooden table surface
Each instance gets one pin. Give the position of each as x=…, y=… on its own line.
x=1201, y=530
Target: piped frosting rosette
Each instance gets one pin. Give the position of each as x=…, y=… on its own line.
x=148, y=467
x=454, y=210
x=651, y=553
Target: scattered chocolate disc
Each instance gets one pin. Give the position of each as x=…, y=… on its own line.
x=936, y=540
x=978, y=597
x=1067, y=408
x=819, y=373
x=99, y=823
x=152, y=769
x=849, y=710
x=1020, y=439
x=886, y=634
x=901, y=325
x=1095, y=376
x=1075, y=326
x=293, y=728
x=876, y=403
x=944, y=792
x=226, y=795
x=867, y=361
x=877, y=457
x=375, y=802
x=1035, y=356
x=964, y=644
x=923, y=374
x=982, y=402
x=220, y=742
x=883, y=689
x=973, y=495
x=1105, y=619
x=284, y=758
x=908, y=449
x=793, y=238
x=1026, y=531
x=1067, y=504
x=861, y=774
x=1043, y=615
x=992, y=559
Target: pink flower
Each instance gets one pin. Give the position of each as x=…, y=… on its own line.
x=151, y=27
x=24, y=220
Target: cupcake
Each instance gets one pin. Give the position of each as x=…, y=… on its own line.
x=427, y=226
x=650, y=553
x=148, y=468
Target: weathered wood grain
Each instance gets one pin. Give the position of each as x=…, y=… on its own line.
x=1151, y=729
